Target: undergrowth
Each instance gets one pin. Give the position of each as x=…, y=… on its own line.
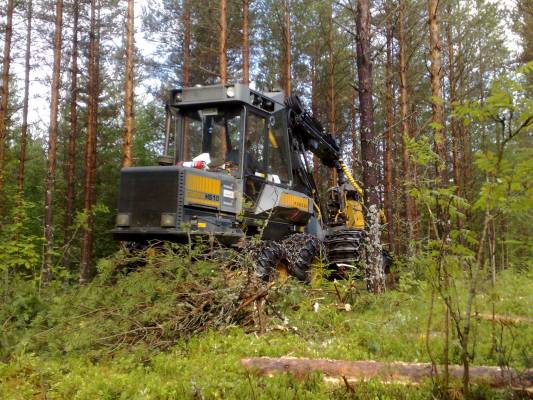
x=177, y=327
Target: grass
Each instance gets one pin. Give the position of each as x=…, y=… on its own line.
x=51, y=350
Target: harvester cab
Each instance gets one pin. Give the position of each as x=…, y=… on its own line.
x=235, y=165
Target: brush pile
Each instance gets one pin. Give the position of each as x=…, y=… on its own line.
x=153, y=298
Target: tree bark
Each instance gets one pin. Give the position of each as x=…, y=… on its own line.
x=369, y=148
x=452, y=85
x=52, y=148
x=223, y=63
x=127, y=145
x=223, y=60
x=385, y=371
x=332, y=115
x=314, y=109
x=287, y=54
x=387, y=161
x=24, y=129
x=73, y=135
x=404, y=111
x=4, y=104
x=87, y=270
x=437, y=101
x=186, y=72
x=245, y=42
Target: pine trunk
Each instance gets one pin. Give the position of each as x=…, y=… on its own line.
x=452, y=87
x=87, y=270
x=404, y=111
x=186, y=72
x=223, y=60
x=387, y=184
x=314, y=109
x=73, y=135
x=353, y=129
x=245, y=42
x=52, y=148
x=287, y=55
x=4, y=104
x=437, y=110
x=332, y=117
x=24, y=129
x=127, y=146
x=369, y=149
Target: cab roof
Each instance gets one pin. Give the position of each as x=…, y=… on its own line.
x=226, y=94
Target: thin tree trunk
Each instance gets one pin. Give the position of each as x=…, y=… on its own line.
x=464, y=132
x=353, y=128
x=73, y=136
x=86, y=268
x=4, y=104
x=369, y=148
x=287, y=55
x=223, y=60
x=223, y=63
x=332, y=115
x=388, y=134
x=24, y=129
x=404, y=111
x=314, y=109
x=127, y=145
x=437, y=109
x=456, y=148
x=52, y=148
x=186, y=73
x=245, y=42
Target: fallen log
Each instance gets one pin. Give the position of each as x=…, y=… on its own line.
x=504, y=319
x=388, y=372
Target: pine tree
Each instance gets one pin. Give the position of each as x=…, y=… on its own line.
x=127, y=146
x=4, y=103
x=24, y=128
x=73, y=133
x=245, y=42
x=87, y=270
x=369, y=143
x=52, y=147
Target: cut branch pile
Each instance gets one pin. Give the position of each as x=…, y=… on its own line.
x=389, y=372
x=197, y=308
x=156, y=301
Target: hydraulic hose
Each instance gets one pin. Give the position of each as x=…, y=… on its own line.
x=350, y=178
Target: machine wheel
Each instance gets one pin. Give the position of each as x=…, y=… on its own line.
x=269, y=260
x=302, y=250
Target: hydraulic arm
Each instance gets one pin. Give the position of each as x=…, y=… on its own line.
x=313, y=137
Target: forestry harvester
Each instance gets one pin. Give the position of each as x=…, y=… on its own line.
x=234, y=166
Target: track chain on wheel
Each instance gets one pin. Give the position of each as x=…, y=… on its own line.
x=266, y=256
x=344, y=247
x=302, y=250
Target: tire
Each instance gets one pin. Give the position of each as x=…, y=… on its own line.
x=266, y=257
x=302, y=250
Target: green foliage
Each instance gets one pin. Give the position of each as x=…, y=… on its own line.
x=69, y=340
x=19, y=247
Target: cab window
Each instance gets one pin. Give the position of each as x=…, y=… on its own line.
x=278, y=149
x=254, y=145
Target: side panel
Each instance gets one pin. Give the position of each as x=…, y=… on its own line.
x=284, y=205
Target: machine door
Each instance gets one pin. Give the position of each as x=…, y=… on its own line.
x=266, y=153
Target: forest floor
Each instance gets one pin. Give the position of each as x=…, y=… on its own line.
x=127, y=336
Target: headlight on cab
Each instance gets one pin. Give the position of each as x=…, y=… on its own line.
x=230, y=91
x=123, y=220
